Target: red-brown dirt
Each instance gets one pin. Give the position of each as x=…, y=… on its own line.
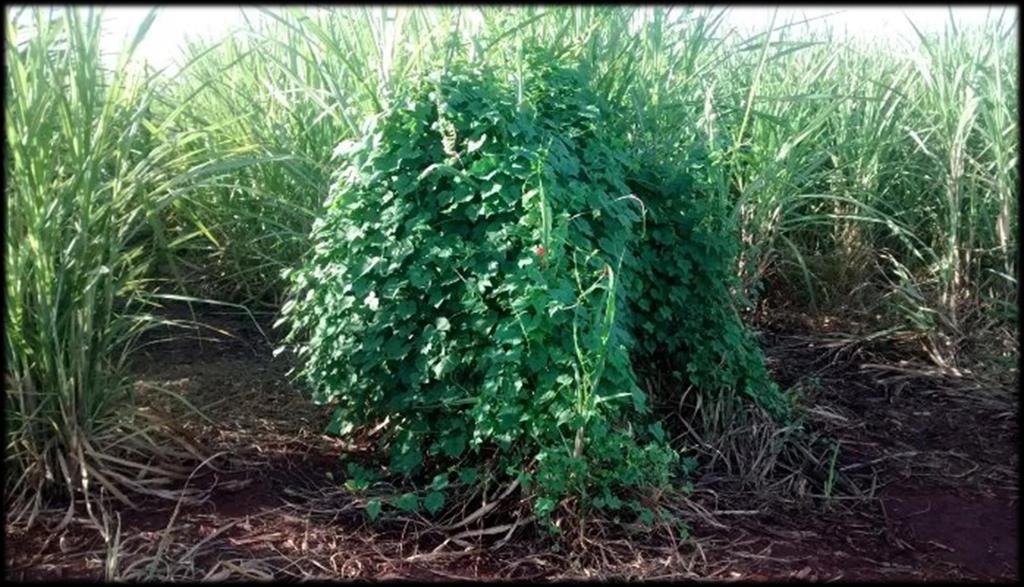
x=942, y=459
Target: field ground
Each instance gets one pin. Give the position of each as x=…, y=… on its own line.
x=943, y=455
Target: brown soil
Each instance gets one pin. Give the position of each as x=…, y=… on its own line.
x=941, y=458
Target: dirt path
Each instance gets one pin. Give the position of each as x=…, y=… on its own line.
x=943, y=465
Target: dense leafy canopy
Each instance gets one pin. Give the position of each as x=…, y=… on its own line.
x=491, y=262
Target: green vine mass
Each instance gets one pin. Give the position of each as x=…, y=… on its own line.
x=487, y=272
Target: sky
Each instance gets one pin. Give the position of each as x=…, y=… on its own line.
x=174, y=23
x=871, y=21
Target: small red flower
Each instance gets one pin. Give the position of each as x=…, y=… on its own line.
x=540, y=251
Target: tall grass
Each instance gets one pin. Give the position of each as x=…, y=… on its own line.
x=277, y=97
x=873, y=178
x=869, y=179
x=888, y=167
x=88, y=177
x=291, y=85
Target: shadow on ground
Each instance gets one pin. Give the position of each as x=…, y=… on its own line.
x=940, y=463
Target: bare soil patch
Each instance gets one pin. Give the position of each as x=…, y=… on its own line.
x=937, y=459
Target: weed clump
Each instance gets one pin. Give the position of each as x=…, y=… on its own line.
x=489, y=266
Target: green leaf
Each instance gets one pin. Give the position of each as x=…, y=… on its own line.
x=334, y=426
x=407, y=502
x=434, y=501
x=407, y=461
x=453, y=445
x=373, y=508
x=356, y=485
x=474, y=145
x=544, y=506
x=657, y=431
x=440, y=481
x=646, y=516
x=688, y=465
x=468, y=475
